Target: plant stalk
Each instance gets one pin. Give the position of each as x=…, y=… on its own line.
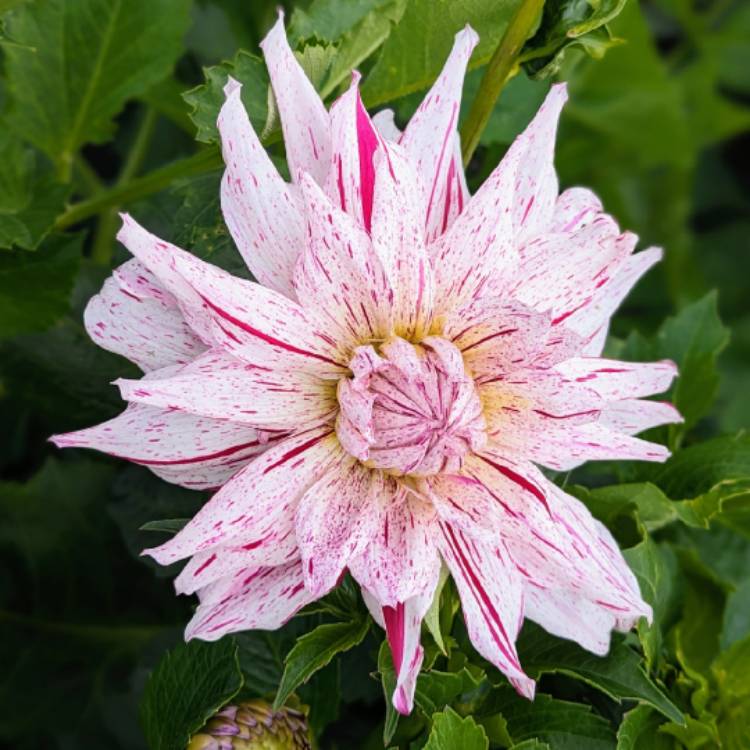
x=498, y=71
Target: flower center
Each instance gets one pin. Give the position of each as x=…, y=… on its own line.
x=410, y=409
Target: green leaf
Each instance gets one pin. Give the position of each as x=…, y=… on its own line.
x=655, y=567
x=388, y=678
x=569, y=24
x=619, y=674
x=437, y=689
x=416, y=49
x=167, y=525
x=331, y=19
x=35, y=288
x=736, y=623
x=450, y=731
x=639, y=730
x=561, y=724
x=316, y=649
x=207, y=99
x=75, y=65
x=30, y=198
x=188, y=686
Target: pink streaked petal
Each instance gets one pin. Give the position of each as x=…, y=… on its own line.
x=535, y=190
x=351, y=178
x=221, y=386
x=260, y=209
x=615, y=380
x=575, y=208
x=632, y=416
x=158, y=257
x=561, y=273
x=340, y=274
x=336, y=518
x=496, y=337
x=430, y=137
x=195, y=452
x=142, y=324
x=478, y=251
x=258, y=499
x=262, y=599
x=304, y=119
x=589, y=319
x=492, y=601
x=401, y=560
x=398, y=238
x=258, y=325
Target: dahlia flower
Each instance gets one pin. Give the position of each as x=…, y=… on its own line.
x=381, y=400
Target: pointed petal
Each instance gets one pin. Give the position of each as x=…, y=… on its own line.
x=195, y=452
x=492, y=601
x=613, y=380
x=252, y=506
x=401, y=560
x=262, y=599
x=632, y=416
x=340, y=274
x=351, y=178
x=261, y=212
x=304, y=119
x=430, y=137
x=575, y=208
x=398, y=238
x=142, y=323
x=221, y=386
x=258, y=325
x=385, y=123
x=336, y=518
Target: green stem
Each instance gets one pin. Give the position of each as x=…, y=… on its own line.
x=498, y=71
x=101, y=251
x=88, y=179
x=206, y=160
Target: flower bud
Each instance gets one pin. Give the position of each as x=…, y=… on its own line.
x=253, y=725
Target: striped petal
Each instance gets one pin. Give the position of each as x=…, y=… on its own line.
x=135, y=316
x=491, y=598
x=304, y=119
x=398, y=238
x=260, y=599
x=340, y=274
x=254, y=506
x=430, y=139
x=192, y=451
x=261, y=212
x=221, y=386
x=336, y=518
x=351, y=178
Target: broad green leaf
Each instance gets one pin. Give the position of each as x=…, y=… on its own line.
x=30, y=198
x=388, y=678
x=619, y=674
x=568, y=24
x=315, y=649
x=188, y=686
x=655, y=567
x=437, y=689
x=696, y=470
x=450, y=731
x=207, y=99
x=416, y=50
x=330, y=19
x=699, y=734
x=736, y=625
x=75, y=65
x=561, y=724
x=531, y=745
x=639, y=730
x=731, y=668
x=35, y=288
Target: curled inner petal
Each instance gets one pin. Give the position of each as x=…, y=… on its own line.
x=410, y=409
